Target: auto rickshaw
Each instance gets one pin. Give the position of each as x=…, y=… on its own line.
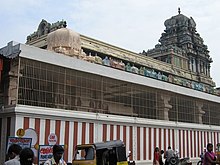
x=102, y=153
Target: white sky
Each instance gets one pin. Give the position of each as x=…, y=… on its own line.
x=135, y=25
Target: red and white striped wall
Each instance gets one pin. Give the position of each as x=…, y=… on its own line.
x=139, y=138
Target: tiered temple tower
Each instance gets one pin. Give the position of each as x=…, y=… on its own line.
x=181, y=46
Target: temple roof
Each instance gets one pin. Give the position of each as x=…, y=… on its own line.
x=179, y=20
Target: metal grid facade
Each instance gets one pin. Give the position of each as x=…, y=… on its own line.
x=46, y=85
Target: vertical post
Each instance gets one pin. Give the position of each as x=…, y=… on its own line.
x=199, y=112
x=164, y=106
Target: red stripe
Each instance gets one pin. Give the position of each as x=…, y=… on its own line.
x=138, y=143
x=8, y=126
x=160, y=138
x=194, y=143
x=57, y=130
x=37, y=128
x=191, y=145
x=184, y=143
x=215, y=140
x=83, y=133
x=199, y=147
x=104, y=132
x=124, y=134
x=155, y=137
x=111, y=132
x=47, y=131
x=26, y=123
x=173, y=137
x=145, y=148
x=150, y=150
x=208, y=137
x=118, y=132
x=187, y=142
x=217, y=137
x=202, y=145
x=91, y=133
x=165, y=139
x=205, y=138
x=169, y=137
x=131, y=141
x=66, y=140
x=75, y=134
x=180, y=142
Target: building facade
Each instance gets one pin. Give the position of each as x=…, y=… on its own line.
x=87, y=91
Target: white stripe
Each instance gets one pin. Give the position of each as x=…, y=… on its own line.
x=167, y=138
x=189, y=141
x=127, y=139
x=62, y=132
x=52, y=126
x=200, y=142
x=87, y=133
x=185, y=137
x=95, y=132
x=162, y=141
x=147, y=143
x=181, y=143
x=141, y=144
x=213, y=138
x=31, y=123
x=134, y=128
x=176, y=134
x=196, y=144
x=79, y=133
x=70, y=141
x=42, y=132
x=121, y=132
x=203, y=143
x=206, y=135
x=157, y=137
x=115, y=132
x=216, y=138
x=152, y=142
x=19, y=121
x=193, y=142
x=100, y=132
x=108, y=133
x=171, y=138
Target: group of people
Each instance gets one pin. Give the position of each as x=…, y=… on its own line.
x=18, y=156
x=158, y=158
x=208, y=156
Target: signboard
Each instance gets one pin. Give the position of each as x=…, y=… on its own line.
x=52, y=139
x=20, y=132
x=31, y=133
x=45, y=152
x=23, y=142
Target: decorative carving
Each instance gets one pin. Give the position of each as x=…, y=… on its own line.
x=181, y=46
x=45, y=28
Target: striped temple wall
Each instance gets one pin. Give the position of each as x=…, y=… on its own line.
x=141, y=139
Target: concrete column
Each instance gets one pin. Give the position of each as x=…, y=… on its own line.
x=189, y=64
x=199, y=66
x=199, y=112
x=164, y=106
x=208, y=72
x=194, y=64
x=12, y=83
